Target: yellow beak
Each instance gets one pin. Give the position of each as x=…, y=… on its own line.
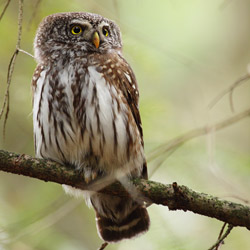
x=96, y=40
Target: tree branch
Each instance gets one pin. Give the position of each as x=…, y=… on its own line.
x=174, y=196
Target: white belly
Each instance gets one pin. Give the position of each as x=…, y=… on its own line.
x=102, y=130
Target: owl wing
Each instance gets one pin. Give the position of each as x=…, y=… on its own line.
x=118, y=73
x=129, y=88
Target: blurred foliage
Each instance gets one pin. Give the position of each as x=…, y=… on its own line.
x=183, y=53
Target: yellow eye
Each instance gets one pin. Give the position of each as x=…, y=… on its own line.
x=76, y=30
x=105, y=31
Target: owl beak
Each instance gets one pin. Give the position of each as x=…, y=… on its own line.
x=96, y=39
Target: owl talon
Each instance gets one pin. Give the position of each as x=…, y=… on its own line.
x=93, y=175
x=87, y=179
x=90, y=175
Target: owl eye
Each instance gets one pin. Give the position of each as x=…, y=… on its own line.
x=105, y=31
x=76, y=30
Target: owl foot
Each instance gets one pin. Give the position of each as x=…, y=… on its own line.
x=91, y=174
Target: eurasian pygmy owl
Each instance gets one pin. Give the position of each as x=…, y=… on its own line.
x=86, y=115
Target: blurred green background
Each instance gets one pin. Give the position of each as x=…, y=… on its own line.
x=184, y=53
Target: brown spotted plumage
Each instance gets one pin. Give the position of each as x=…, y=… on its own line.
x=86, y=114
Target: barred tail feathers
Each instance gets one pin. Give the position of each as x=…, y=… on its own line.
x=118, y=218
x=135, y=223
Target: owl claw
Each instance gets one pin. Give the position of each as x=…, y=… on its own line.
x=90, y=175
x=94, y=175
x=87, y=179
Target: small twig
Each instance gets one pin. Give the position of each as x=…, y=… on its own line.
x=20, y=20
x=4, y=9
x=220, y=234
x=230, y=91
x=221, y=239
x=6, y=96
x=222, y=230
x=103, y=246
x=6, y=103
x=25, y=52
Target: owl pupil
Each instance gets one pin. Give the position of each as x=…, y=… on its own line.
x=77, y=30
x=105, y=32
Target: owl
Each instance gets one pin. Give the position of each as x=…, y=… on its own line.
x=86, y=115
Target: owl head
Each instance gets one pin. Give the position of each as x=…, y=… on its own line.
x=75, y=34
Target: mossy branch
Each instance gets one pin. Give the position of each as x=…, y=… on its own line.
x=172, y=195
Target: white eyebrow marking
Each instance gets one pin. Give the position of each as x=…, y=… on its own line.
x=103, y=23
x=82, y=22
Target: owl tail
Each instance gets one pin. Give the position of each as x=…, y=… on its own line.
x=120, y=218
